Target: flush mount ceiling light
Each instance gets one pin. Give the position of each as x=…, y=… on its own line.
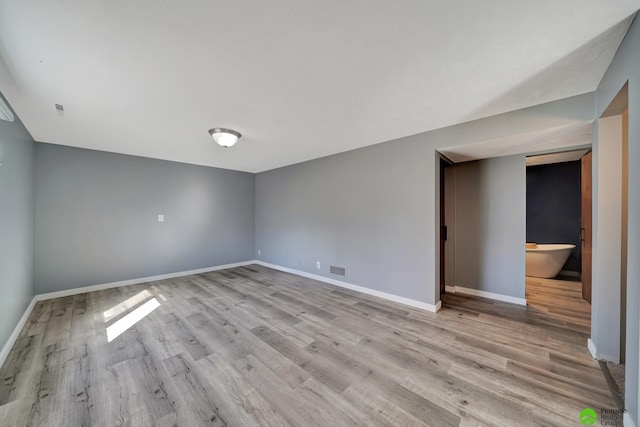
x=224, y=137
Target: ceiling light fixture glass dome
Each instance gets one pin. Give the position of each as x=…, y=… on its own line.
x=224, y=137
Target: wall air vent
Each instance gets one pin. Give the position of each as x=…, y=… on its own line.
x=5, y=112
x=338, y=271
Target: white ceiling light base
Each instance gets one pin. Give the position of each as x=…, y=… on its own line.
x=224, y=137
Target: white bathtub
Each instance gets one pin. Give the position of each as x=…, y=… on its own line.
x=547, y=260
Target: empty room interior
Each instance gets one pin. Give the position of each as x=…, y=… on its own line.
x=283, y=213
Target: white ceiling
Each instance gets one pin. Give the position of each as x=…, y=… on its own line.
x=299, y=80
x=551, y=139
x=561, y=157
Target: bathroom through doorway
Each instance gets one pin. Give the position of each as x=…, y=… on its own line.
x=555, y=234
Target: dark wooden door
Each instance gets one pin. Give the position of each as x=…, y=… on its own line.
x=586, y=226
x=443, y=227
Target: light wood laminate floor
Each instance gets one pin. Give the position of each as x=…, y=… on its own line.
x=253, y=346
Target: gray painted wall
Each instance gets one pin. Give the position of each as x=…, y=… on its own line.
x=363, y=210
x=375, y=210
x=96, y=217
x=626, y=67
x=16, y=225
x=490, y=225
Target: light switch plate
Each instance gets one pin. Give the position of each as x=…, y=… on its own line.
x=160, y=217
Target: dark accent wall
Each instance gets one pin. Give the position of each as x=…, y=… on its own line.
x=554, y=207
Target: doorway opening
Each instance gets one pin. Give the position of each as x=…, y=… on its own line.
x=558, y=262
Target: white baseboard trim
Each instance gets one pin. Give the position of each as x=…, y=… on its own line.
x=485, y=294
x=432, y=308
x=85, y=289
x=627, y=421
x=16, y=332
x=592, y=349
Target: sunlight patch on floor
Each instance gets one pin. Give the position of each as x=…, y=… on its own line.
x=119, y=327
x=117, y=310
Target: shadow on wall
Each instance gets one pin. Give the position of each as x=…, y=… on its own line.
x=554, y=207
